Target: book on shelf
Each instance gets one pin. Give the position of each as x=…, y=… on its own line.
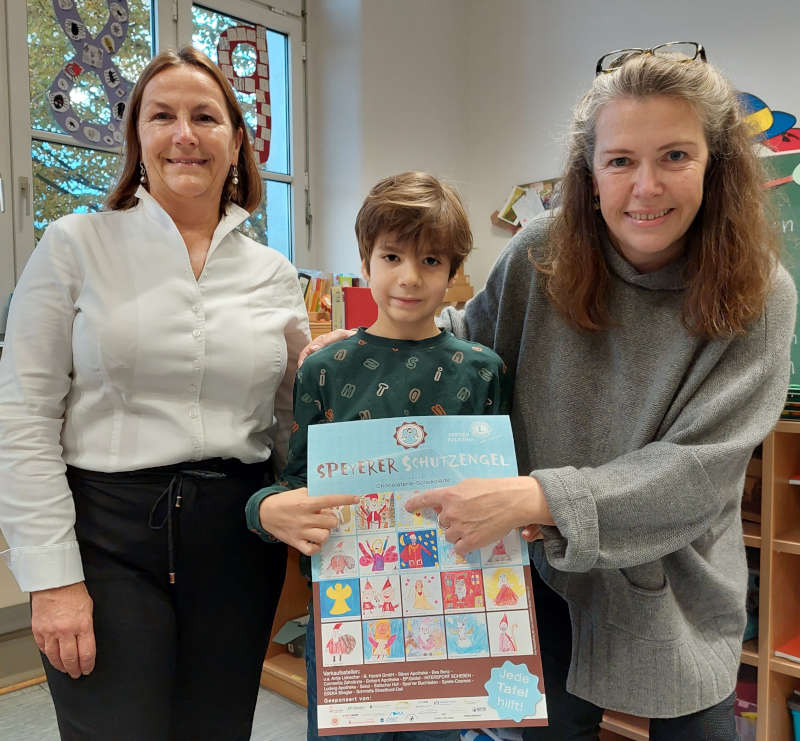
x=317, y=293
x=337, y=307
x=347, y=279
x=790, y=650
x=304, y=279
x=352, y=307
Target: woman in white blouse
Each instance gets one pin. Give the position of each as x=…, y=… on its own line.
x=145, y=389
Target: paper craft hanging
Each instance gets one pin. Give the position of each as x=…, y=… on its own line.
x=257, y=82
x=93, y=54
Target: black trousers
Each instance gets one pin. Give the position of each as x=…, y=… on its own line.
x=175, y=661
x=572, y=718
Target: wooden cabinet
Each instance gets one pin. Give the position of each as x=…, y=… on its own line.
x=282, y=672
x=779, y=604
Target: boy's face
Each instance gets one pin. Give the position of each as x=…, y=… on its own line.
x=408, y=283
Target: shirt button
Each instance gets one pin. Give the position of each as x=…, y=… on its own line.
x=196, y=308
x=193, y=412
x=192, y=387
x=197, y=333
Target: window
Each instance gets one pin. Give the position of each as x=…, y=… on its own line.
x=257, y=59
x=72, y=64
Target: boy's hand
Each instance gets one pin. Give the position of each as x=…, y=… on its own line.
x=301, y=521
x=324, y=339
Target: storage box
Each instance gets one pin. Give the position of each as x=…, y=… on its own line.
x=793, y=704
x=745, y=717
x=293, y=635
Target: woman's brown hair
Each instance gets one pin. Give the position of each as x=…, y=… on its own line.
x=247, y=193
x=731, y=248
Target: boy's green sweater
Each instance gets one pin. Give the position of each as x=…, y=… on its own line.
x=371, y=377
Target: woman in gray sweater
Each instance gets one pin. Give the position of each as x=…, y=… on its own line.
x=648, y=323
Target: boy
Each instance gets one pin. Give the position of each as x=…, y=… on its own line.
x=413, y=235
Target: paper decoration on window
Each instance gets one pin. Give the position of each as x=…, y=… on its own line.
x=93, y=55
x=257, y=82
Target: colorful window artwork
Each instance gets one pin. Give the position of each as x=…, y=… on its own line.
x=256, y=61
x=84, y=57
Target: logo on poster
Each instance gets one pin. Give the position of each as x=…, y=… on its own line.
x=513, y=691
x=410, y=435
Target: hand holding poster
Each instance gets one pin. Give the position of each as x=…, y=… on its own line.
x=411, y=634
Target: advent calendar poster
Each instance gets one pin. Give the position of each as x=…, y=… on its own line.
x=409, y=633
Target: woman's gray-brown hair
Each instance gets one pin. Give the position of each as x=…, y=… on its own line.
x=732, y=249
x=247, y=193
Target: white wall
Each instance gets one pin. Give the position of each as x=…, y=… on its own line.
x=386, y=94
x=480, y=92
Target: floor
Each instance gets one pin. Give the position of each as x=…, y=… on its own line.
x=28, y=715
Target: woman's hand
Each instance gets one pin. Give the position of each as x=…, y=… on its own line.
x=531, y=532
x=61, y=620
x=324, y=339
x=478, y=512
x=301, y=521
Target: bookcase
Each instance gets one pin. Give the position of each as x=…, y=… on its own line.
x=779, y=604
x=282, y=672
x=778, y=538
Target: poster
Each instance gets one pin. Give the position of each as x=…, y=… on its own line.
x=410, y=634
x=527, y=201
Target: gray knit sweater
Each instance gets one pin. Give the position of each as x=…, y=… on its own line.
x=639, y=436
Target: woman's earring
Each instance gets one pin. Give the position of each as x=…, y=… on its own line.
x=596, y=202
x=234, y=175
x=142, y=174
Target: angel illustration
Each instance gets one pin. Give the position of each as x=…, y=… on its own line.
x=388, y=605
x=339, y=643
x=463, y=633
x=506, y=639
x=340, y=562
x=424, y=637
x=499, y=553
x=505, y=594
x=368, y=597
x=372, y=512
x=344, y=518
x=412, y=552
x=421, y=601
x=381, y=639
x=377, y=553
x=339, y=593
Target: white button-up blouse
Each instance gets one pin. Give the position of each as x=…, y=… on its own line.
x=116, y=358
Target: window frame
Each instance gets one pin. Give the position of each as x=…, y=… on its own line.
x=291, y=24
x=172, y=28
x=7, y=268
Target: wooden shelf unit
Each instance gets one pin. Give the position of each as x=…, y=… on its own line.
x=779, y=603
x=282, y=672
x=779, y=612
x=778, y=537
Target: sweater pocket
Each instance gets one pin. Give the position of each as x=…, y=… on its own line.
x=642, y=604
x=648, y=578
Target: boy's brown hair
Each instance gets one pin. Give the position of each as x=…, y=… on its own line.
x=418, y=208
